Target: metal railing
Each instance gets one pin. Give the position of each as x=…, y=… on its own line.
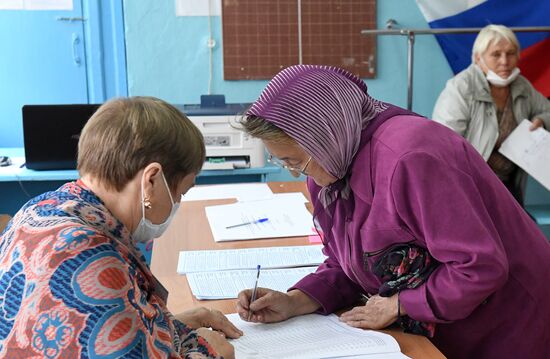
x=411, y=33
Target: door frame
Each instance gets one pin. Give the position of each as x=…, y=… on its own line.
x=105, y=49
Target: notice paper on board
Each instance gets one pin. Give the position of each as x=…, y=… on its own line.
x=530, y=150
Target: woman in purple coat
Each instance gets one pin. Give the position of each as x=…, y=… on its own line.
x=412, y=219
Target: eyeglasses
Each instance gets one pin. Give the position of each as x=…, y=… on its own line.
x=278, y=162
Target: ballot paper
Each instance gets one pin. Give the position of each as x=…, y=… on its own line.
x=286, y=217
x=291, y=196
x=242, y=192
x=311, y=336
x=249, y=258
x=228, y=284
x=530, y=150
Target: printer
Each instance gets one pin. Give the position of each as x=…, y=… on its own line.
x=227, y=148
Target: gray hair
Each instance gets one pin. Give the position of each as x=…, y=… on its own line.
x=258, y=127
x=492, y=33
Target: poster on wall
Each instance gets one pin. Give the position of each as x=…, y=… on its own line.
x=198, y=7
x=36, y=4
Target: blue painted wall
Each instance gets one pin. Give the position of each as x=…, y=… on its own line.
x=167, y=57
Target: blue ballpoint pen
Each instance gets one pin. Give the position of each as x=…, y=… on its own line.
x=261, y=220
x=253, y=298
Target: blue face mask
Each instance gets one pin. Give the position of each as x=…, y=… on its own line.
x=147, y=230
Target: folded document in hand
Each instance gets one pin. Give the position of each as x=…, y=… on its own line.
x=530, y=150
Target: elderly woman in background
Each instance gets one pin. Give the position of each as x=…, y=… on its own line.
x=411, y=216
x=485, y=102
x=72, y=282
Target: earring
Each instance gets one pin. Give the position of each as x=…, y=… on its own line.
x=147, y=203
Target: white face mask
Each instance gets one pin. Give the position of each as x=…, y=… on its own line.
x=498, y=81
x=147, y=230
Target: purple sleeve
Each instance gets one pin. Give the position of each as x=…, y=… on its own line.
x=329, y=286
x=443, y=205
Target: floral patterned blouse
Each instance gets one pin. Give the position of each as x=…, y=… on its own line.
x=73, y=285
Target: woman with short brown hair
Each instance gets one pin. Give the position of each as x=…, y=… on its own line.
x=73, y=282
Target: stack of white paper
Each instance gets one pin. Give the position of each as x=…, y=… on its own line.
x=242, y=192
x=228, y=284
x=249, y=258
x=287, y=217
x=311, y=336
x=292, y=196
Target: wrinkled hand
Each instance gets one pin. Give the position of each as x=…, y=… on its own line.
x=218, y=342
x=209, y=318
x=270, y=306
x=378, y=313
x=536, y=123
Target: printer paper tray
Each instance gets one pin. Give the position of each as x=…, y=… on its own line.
x=227, y=163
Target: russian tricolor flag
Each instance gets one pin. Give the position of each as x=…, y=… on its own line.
x=535, y=46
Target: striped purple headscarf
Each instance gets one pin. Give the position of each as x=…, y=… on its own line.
x=324, y=109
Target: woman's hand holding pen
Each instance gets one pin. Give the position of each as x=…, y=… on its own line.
x=209, y=318
x=272, y=306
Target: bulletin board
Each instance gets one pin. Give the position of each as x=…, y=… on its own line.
x=262, y=37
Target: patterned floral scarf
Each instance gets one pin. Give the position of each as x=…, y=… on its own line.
x=401, y=267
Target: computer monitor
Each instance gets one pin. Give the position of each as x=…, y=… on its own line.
x=51, y=134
